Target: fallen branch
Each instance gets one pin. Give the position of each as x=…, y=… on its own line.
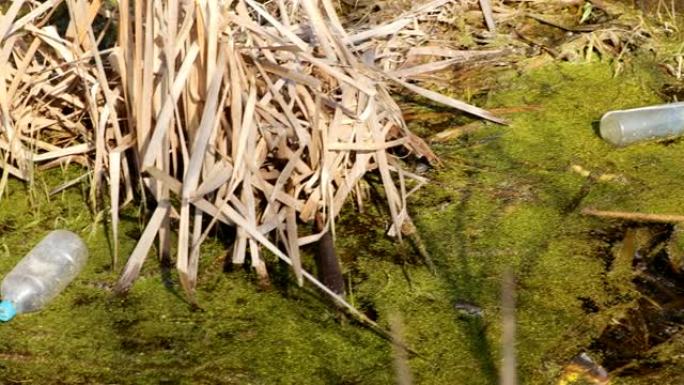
x=636, y=217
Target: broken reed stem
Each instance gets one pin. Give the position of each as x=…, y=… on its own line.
x=508, y=365
x=636, y=217
x=409, y=230
x=402, y=372
x=486, y=7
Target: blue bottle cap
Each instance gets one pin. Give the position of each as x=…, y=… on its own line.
x=7, y=311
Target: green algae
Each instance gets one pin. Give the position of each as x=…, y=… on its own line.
x=517, y=205
x=507, y=197
x=241, y=335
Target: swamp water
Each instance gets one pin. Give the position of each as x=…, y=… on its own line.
x=641, y=337
x=506, y=197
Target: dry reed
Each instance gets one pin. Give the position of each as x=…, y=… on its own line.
x=256, y=115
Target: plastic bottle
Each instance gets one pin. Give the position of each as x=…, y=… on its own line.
x=624, y=127
x=42, y=274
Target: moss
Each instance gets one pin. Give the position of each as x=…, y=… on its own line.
x=516, y=205
x=508, y=197
x=152, y=336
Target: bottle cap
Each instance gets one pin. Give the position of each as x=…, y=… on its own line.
x=7, y=311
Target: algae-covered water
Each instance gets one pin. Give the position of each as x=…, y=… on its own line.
x=506, y=197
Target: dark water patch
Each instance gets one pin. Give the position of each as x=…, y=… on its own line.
x=672, y=92
x=369, y=310
x=654, y=306
x=86, y=299
x=608, y=238
x=589, y=305
x=644, y=367
x=136, y=344
x=7, y=225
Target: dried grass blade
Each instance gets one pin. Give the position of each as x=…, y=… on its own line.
x=297, y=77
x=142, y=248
x=422, y=69
x=175, y=186
x=70, y=183
x=145, y=79
x=217, y=177
x=362, y=147
x=319, y=28
x=488, y=15
x=166, y=113
x=379, y=31
x=10, y=15
x=62, y=152
x=207, y=125
x=192, y=176
x=447, y=101
x=462, y=55
x=293, y=245
x=114, y=183
x=193, y=264
x=21, y=69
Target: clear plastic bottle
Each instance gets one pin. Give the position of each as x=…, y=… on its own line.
x=42, y=274
x=623, y=127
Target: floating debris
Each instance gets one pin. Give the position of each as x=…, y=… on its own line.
x=624, y=127
x=468, y=309
x=583, y=369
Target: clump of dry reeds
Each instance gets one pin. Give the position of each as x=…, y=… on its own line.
x=257, y=115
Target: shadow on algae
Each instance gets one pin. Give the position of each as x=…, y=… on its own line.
x=508, y=196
